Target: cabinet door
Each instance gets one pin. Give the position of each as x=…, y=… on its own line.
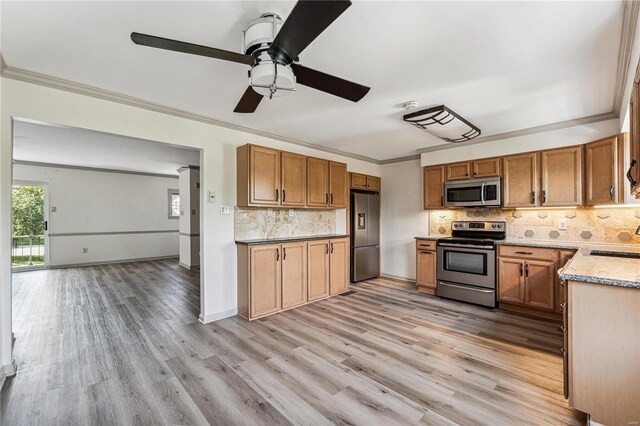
x=337, y=185
x=520, y=180
x=317, y=182
x=539, y=289
x=487, y=167
x=433, y=187
x=265, y=279
x=264, y=176
x=602, y=170
x=426, y=268
x=563, y=257
x=294, y=274
x=338, y=266
x=510, y=280
x=634, y=136
x=373, y=183
x=294, y=180
x=459, y=171
x=318, y=270
x=562, y=177
x=358, y=181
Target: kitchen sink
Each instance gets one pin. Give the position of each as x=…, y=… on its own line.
x=615, y=254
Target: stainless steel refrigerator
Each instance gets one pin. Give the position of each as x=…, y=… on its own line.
x=365, y=238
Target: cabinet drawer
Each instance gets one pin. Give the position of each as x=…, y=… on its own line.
x=425, y=245
x=527, y=252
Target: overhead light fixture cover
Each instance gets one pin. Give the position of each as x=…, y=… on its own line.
x=442, y=122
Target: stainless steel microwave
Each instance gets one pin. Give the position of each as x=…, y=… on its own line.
x=473, y=193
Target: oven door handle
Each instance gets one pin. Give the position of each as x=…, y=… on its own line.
x=464, y=287
x=465, y=246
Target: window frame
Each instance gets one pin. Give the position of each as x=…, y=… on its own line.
x=170, y=194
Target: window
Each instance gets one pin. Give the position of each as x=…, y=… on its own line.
x=174, y=204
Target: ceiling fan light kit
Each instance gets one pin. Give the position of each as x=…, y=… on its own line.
x=271, y=47
x=443, y=123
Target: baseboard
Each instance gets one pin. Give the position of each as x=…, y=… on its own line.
x=189, y=267
x=205, y=319
x=7, y=371
x=108, y=262
x=399, y=279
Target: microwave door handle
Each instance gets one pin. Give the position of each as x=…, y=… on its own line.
x=482, y=194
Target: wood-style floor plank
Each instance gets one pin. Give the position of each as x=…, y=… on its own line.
x=120, y=344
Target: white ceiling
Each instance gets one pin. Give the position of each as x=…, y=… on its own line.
x=78, y=147
x=504, y=66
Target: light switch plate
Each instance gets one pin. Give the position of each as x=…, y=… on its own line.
x=224, y=209
x=54, y=209
x=211, y=197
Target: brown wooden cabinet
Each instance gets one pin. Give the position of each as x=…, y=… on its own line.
x=563, y=257
x=258, y=177
x=539, y=284
x=486, y=167
x=318, y=270
x=365, y=182
x=633, y=171
x=561, y=173
x=265, y=276
x=604, y=171
x=459, y=171
x=338, y=194
x=294, y=274
x=426, y=264
x=317, y=182
x=510, y=280
x=294, y=180
x=338, y=265
x=520, y=180
x=433, y=187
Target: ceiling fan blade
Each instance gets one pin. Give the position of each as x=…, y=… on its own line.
x=190, y=48
x=328, y=83
x=307, y=20
x=249, y=101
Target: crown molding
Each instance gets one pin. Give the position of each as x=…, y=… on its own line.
x=91, y=169
x=95, y=92
x=531, y=130
x=400, y=159
x=629, y=25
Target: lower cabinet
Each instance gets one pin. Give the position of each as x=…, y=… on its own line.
x=426, y=264
x=527, y=279
x=274, y=277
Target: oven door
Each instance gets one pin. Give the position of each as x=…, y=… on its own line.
x=470, y=265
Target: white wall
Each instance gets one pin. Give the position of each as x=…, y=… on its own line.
x=218, y=145
x=92, y=202
x=402, y=217
x=575, y=135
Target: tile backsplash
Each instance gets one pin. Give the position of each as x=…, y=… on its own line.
x=602, y=225
x=260, y=223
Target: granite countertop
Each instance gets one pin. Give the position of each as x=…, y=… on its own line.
x=592, y=265
x=289, y=239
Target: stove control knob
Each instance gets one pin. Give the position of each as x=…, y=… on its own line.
x=494, y=226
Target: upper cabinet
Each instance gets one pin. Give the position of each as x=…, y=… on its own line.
x=604, y=170
x=366, y=182
x=520, y=180
x=459, y=171
x=433, y=187
x=561, y=174
x=268, y=177
x=484, y=168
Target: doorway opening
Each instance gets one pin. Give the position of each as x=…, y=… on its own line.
x=29, y=226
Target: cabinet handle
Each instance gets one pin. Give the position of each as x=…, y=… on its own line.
x=426, y=252
x=526, y=270
x=332, y=198
x=544, y=197
x=533, y=197
x=442, y=200
x=631, y=179
x=277, y=194
x=331, y=248
x=284, y=253
x=284, y=195
x=611, y=191
x=521, y=269
x=524, y=252
x=277, y=254
x=326, y=249
x=326, y=198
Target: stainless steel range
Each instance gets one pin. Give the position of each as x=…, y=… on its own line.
x=467, y=262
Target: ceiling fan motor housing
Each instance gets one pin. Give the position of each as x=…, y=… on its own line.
x=261, y=32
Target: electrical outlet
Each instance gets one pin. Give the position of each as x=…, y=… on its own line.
x=291, y=213
x=224, y=209
x=562, y=225
x=85, y=250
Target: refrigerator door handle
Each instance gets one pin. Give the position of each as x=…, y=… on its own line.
x=361, y=221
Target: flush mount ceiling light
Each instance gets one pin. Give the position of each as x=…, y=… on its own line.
x=442, y=122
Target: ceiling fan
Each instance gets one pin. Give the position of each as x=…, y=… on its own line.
x=271, y=49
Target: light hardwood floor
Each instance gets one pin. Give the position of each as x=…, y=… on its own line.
x=119, y=344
